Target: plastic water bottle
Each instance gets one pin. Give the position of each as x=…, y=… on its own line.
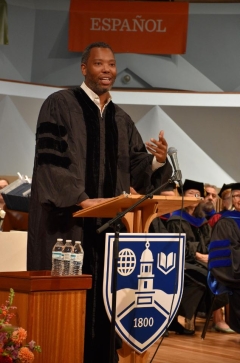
x=57, y=258
x=66, y=259
x=77, y=259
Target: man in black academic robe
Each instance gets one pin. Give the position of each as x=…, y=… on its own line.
x=224, y=257
x=87, y=149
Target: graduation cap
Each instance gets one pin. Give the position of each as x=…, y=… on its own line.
x=224, y=187
x=192, y=184
x=235, y=186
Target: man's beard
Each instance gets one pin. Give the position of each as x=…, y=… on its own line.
x=99, y=90
x=208, y=207
x=202, y=209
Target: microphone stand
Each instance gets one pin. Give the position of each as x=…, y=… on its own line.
x=113, y=221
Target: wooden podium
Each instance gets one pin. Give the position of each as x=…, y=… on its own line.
x=136, y=221
x=51, y=309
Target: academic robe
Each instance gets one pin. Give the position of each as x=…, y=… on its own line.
x=224, y=261
x=196, y=294
x=81, y=154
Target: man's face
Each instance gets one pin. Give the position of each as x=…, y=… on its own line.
x=3, y=184
x=211, y=198
x=100, y=70
x=226, y=200
x=236, y=199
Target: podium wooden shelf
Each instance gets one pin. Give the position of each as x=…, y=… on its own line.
x=141, y=217
x=51, y=309
x=138, y=220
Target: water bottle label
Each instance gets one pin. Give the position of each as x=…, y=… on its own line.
x=77, y=257
x=73, y=256
x=57, y=255
x=67, y=256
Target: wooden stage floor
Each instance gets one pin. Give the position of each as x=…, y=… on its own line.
x=215, y=348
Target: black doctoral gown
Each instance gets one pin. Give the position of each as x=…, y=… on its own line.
x=81, y=154
x=224, y=261
x=196, y=294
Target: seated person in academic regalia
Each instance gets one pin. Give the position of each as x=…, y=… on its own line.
x=210, y=198
x=192, y=221
x=219, y=324
x=226, y=197
x=224, y=255
x=225, y=194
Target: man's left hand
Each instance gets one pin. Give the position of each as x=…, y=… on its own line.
x=158, y=148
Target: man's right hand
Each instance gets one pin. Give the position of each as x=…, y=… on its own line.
x=92, y=202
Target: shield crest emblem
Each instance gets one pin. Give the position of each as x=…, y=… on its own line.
x=150, y=276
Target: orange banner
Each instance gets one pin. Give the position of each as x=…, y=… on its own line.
x=129, y=26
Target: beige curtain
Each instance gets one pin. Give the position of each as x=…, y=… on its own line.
x=3, y=23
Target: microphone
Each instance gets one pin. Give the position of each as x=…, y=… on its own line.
x=172, y=152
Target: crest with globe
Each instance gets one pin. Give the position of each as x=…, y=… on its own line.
x=126, y=262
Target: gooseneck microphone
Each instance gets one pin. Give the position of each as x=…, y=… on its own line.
x=172, y=152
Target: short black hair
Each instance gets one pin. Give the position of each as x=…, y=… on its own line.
x=86, y=52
